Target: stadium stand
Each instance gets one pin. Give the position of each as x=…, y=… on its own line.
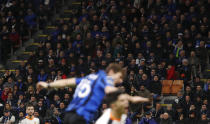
x=163, y=43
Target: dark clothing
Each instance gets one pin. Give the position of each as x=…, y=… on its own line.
x=167, y=121
x=155, y=87
x=147, y=121
x=73, y=118
x=203, y=122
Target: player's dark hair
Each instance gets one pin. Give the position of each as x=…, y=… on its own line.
x=116, y=68
x=112, y=97
x=29, y=105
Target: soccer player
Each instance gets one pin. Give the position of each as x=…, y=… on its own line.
x=119, y=104
x=30, y=119
x=89, y=92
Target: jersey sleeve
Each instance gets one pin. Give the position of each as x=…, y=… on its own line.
x=78, y=80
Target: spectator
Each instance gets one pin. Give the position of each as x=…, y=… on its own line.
x=41, y=109
x=205, y=111
x=14, y=37
x=203, y=55
x=10, y=100
x=192, y=118
x=156, y=86
x=7, y=118
x=157, y=113
x=147, y=119
x=164, y=38
x=20, y=117
x=194, y=63
x=4, y=94
x=203, y=119
x=165, y=119
x=62, y=110
x=42, y=76
x=145, y=81
x=30, y=18
x=143, y=92
x=170, y=72
x=36, y=115
x=10, y=83
x=206, y=85
x=186, y=103
x=185, y=71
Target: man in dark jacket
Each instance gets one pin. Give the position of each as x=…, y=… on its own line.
x=156, y=86
x=192, y=118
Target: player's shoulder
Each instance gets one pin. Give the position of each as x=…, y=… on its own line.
x=36, y=119
x=107, y=110
x=92, y=76
x=105, y=117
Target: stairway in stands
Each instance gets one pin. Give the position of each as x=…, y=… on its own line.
x=22, y=54
x=206, y=74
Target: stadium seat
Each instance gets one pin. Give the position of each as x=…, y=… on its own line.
x=171, y=87
x=166, y=87
x=177, y=85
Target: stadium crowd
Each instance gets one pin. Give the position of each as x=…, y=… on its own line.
x=154, y=39
x=19, y=20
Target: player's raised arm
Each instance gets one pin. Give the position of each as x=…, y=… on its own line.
x=58, y=84
x=137, y=99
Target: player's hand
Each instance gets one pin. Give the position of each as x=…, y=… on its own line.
x=42, y=84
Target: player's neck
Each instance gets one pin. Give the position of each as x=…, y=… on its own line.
x=30, y=116
x=116, y=115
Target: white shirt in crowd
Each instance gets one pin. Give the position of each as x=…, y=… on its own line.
x=8, y=120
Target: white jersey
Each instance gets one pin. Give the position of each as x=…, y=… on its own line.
x=27, y=120
x=106, y=118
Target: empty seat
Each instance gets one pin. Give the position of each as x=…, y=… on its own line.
x=176, y=86
x=166, y=86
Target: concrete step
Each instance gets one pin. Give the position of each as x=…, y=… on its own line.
x=168, y=99
x=32, y=44
x=23, y=56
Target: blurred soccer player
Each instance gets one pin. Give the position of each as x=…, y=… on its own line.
x=89, y=93
x=119, y=104
x=30, y=119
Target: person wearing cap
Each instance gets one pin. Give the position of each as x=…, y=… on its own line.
x=147, y=119
x=7, y=118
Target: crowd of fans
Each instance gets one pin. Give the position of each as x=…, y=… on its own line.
x=155, y=39
x=19, y=19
